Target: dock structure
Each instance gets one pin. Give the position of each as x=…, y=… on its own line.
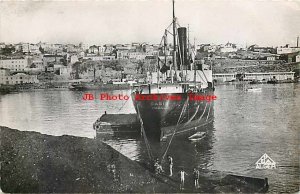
x=117, y=123
x=224, y=77
x=280, y=76
x=218, y=182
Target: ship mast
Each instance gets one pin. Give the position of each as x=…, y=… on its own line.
x=174, y=44
x=188, y=51
x=194, y=63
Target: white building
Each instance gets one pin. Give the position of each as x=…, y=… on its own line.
x=298, y=58
x=268, y=76
x=73, y=59
x=19, y=78
x=122, y=54
x=229, y=47
x=84, y=46
x=137, y=55
x=101, y=49
x=284, y=50
x=30, y=48
x=224, y=77
x=271, y=58
x=4, y=72
x=14, y=64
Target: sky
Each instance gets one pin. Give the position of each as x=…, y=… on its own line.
x=246, y=22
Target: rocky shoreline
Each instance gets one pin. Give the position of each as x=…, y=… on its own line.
x=38, y=163
x=32, y=162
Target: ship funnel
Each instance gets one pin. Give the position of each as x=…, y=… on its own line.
x=182, y=49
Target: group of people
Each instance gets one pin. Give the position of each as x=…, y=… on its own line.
x=158, y=169
x=196, y=175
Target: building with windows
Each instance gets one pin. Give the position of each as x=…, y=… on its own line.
x=14, y=64
x=287, y=49
x=84, y=46
x=8, y=78
x=30, y=48
x=4, y=72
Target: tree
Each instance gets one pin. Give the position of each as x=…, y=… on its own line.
x=41, y=50
x=8, y=50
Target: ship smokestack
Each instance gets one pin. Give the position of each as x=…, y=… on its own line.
x=182, y=57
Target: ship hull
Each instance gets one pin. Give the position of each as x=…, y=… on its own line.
x=164, y=117
x=100, y=86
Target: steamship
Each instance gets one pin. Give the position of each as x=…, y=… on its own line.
x=179, y=75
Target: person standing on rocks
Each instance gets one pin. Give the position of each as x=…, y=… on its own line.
x=182, y=178
x=196, y=174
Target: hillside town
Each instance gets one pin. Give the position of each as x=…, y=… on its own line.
x=46, y=64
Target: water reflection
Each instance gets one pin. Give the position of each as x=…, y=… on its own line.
x=57, y=112
x=246, y=125
x=186, y=154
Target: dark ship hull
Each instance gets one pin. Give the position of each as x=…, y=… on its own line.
x=163, y=118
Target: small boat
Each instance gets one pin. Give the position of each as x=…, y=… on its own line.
x=272, y=81
x=253, y=89
x=197, y=136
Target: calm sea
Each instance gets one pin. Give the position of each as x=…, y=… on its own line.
x=246, y=125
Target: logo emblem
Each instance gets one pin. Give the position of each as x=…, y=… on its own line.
x=265, y=162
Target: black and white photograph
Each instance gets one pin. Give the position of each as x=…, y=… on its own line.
x=149, y=96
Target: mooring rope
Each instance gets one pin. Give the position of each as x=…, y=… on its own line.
x=123, y=105
x=144, y=135
x=202, y=113
x=192, y=116
x=183, y=110
x=208, y=110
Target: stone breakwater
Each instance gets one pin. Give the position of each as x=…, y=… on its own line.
x=35, y=163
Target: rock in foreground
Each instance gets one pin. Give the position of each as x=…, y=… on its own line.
x=34, y=162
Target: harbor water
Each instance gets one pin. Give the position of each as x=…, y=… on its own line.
x=246, y=125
